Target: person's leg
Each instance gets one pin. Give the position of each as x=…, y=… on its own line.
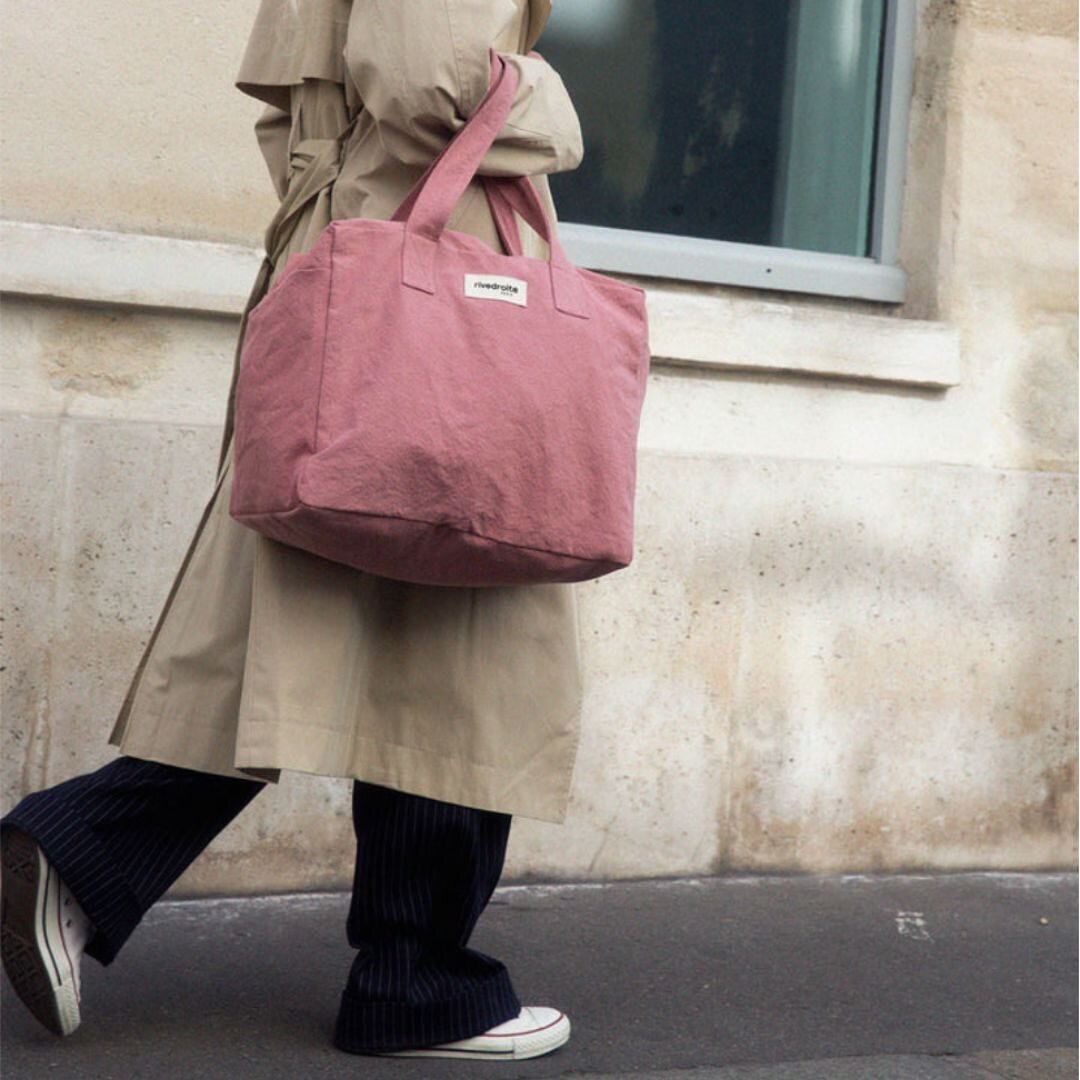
x=83, y=861
x=425, y=870
x=120, y=836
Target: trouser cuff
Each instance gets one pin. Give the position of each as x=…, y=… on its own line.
x=109, y=905
x=372, y=1027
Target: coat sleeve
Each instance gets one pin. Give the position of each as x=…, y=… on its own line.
x=294, y=64
x=290, y=41
x=272, y=130
x=421, y=68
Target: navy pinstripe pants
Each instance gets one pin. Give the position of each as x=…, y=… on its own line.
x=425, y=870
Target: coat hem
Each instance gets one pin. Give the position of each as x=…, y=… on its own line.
x=280, y=744
x=187, y=757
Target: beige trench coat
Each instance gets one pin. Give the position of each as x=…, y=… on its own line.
x=267, y=658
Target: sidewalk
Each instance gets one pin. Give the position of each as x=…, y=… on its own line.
x=957, y=977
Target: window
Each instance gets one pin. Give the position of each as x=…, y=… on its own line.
x=747, y=143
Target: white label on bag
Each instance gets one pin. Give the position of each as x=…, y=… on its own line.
x=491, y=287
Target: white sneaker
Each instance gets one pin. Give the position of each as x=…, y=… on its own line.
x=534, y=1031
x=43, y=932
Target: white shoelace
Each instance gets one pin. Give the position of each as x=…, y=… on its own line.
x=76, y=928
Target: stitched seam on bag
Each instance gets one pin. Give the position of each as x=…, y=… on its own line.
x=466, y=532
x=322, y=350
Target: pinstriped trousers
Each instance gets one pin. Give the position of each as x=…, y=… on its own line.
x=425, y=870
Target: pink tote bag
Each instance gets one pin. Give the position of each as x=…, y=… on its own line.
x=420, y=407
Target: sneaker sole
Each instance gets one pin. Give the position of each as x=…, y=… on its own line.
x=31, y=943
x=516, y=1048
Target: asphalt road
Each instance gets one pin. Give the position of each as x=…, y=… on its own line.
x=960, y=976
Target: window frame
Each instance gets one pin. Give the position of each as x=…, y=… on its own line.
x=722, y=262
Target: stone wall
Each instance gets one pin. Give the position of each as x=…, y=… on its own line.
x=848, y=639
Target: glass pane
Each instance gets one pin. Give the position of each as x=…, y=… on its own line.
x=723, y=119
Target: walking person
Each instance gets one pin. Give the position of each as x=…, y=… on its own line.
x=450, y=709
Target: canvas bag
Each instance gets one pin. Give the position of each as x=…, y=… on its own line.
x=415, y=405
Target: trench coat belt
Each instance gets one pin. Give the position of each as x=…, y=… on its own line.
x=313, y=167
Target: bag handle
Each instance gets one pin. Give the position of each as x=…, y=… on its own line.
x=503, y=215
x=509, y=195
x=427, y=208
